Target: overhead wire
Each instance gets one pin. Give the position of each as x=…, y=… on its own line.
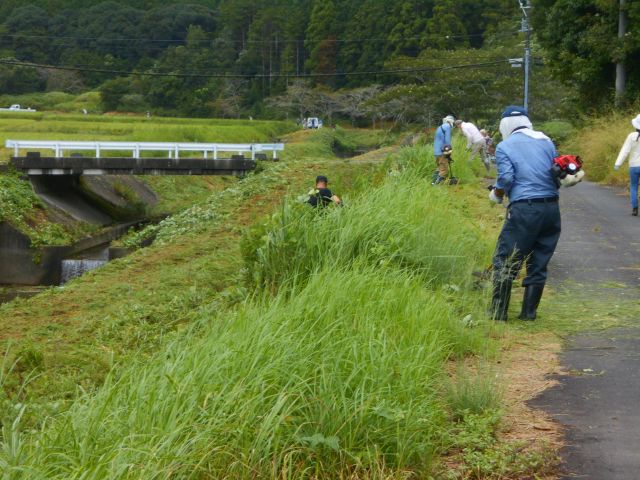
x=260, y=75
x=250, y=41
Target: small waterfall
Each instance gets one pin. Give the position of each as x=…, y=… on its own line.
x=74, y=268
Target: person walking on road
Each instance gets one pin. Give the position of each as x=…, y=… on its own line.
x=631, y=149
x=442, y=139
x=476, y=142
x=531, y=231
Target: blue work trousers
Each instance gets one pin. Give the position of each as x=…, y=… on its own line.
x=530, y=235
x=634, y=176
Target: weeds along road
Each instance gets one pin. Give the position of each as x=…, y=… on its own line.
x=598, y=256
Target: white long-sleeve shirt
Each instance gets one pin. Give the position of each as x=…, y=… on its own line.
x=472, y=133
x=631, y=149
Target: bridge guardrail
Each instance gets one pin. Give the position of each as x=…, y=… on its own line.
x=173, y=149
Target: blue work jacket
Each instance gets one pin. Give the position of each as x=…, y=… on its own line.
x=524, y=167
x=443, y=137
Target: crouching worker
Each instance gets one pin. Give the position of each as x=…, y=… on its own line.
x=321, y=196
x=531, y=231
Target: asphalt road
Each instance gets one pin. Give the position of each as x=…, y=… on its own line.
x=599, y=400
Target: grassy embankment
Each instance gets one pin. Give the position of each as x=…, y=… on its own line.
x=20, y=206
x=72, y=334
x=335, y=366
x=599, y=143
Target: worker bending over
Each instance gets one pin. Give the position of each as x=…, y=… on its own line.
x=476, y=142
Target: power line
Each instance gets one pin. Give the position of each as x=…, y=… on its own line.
x=248, y=41
x=236, y=75
x=93, y=66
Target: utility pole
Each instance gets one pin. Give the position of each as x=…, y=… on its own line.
x=526, y=29
x=621, y=71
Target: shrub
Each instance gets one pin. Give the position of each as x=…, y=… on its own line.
x=559, y=131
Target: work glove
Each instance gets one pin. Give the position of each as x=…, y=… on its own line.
x=616, y=167
x=494, y=197
x=572, y=180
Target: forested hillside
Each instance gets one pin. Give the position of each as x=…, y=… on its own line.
x=224, y=57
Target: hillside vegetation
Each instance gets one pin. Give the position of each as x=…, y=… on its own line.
x=409, y=61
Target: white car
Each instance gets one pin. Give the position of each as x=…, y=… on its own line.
x=313, y=123
x=17, y=108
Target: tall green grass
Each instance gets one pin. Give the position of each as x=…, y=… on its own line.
x=420, y=161
x=336, y=367
x=598, y=143
x=339, y=379
x=405, y=223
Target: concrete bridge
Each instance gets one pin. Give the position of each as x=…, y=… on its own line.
x=68, y=158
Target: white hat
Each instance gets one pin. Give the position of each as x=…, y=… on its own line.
x=449, y=119
x=636, y=122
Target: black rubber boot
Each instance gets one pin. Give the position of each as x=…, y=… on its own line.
x=500, y=300
x=530, y=301
x=634, y=212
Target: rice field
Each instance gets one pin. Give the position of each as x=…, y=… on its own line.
x=55, y=126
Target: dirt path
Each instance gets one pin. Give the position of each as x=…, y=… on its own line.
x=598, y=400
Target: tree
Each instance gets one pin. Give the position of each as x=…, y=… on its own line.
x=27, y=28
x=299, y=98
x=273, y=42
x=446, y=29
x=231, y=100
x=407, y=35
x=112, y=92
x=364, y=47
x=581, y=40
x=326, y=104
x=473, y=93
x=321, y=38
x=353, y=103
x=621, y=71
x=17, y=80
x=64, y=81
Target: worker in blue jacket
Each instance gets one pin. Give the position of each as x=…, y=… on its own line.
x=531, y=231
x=442, y=138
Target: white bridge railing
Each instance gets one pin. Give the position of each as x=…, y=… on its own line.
x=173, y=150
